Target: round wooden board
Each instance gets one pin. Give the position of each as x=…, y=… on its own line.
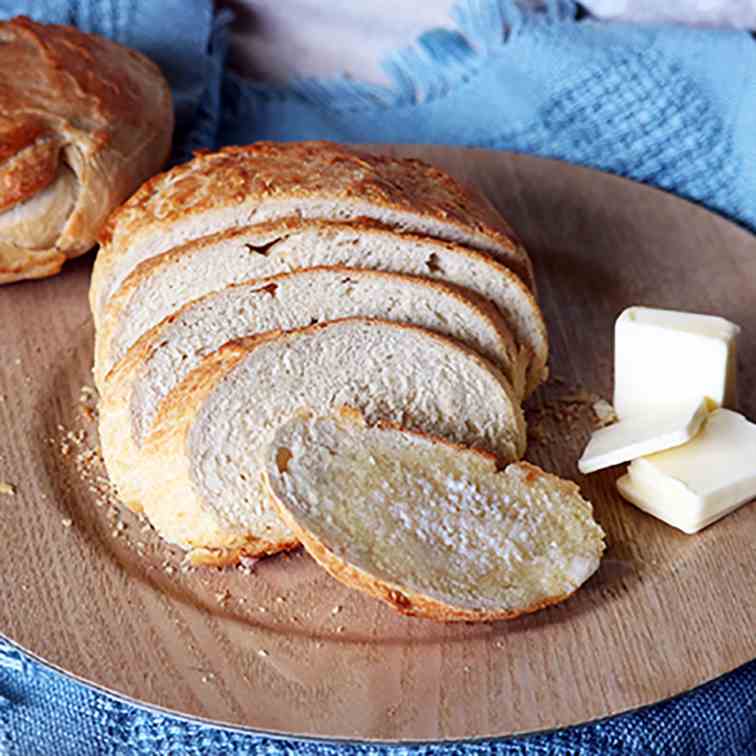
x=285, y=648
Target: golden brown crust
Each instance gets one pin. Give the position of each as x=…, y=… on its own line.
x=16, y=135
x=243, y=177
x=78, y=100
x=30, y=160
x=300, y=169
x=25, y=265
x=256, y=549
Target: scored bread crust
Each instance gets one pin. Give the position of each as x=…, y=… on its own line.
x=78, y=107
x=117, y=422
x=400, y=598
x=168, y=495
x=525, y=320
x=254, y=180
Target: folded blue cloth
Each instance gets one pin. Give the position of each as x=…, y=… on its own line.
x=672, y=107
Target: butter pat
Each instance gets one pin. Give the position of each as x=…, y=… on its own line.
x=643, y=434
x=692, y=486
x=665, y=357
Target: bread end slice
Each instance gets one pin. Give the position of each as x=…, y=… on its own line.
x=429, y=527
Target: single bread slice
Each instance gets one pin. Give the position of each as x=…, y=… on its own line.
x=200, y=475
x=167, y=353
x=160, y=287
x=242, y=186
x=433, y=529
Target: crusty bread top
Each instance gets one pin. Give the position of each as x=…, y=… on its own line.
x=304, y=169
x=431, y=527
x=243, y=186
x=72, y=104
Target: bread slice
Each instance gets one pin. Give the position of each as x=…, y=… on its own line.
x=242, y=186
x=166, y=283
x=199, y=475
x=167, y=353
x=433, y=529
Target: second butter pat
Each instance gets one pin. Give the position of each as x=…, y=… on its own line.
x=643, y=434
x=693, y=485
x=663, y=358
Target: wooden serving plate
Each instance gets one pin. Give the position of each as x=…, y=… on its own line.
x=285, y=648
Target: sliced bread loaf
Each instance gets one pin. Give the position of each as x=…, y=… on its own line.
x=242, y=186
x=199, y=475
x=161, y=286
x=433, y=529
x=167, y=353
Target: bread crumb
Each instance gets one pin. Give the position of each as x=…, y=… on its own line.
x=67, y=522
x=7, y=489
x=335, y=610
x=572, y=410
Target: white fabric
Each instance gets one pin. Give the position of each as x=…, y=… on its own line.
x=274, y=40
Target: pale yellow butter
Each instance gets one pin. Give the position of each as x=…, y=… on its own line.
x=663, y=358
x=643, y=434
x=694, y=485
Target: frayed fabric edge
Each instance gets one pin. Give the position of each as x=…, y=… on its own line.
x=426, y=70
x=12, y=658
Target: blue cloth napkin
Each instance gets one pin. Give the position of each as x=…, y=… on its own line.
x=672, y=107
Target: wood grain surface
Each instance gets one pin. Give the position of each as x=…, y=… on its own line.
x=279, y=646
